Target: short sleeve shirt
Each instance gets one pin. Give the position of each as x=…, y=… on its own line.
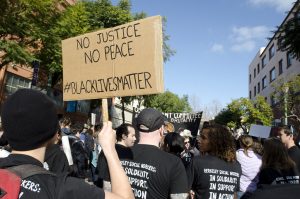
x=154, y=173
x=273, y=176
x=102, y=167
x=212, y=177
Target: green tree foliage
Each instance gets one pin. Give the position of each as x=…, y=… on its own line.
x=168, y=102
x=33, y=29
x=102, y=14
x=241, y=113
x=23, y=28
x=288, y=35
x=286, y=95
x=125, y=5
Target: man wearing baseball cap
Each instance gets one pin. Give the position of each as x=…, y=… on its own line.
x=152, y=172
x=30, y=124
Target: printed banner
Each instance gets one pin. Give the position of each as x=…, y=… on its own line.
x=190, y=121
x=122, y=61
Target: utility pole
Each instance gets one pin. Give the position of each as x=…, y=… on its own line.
x=286, y=90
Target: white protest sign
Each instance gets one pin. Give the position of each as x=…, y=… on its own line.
x=260, y=131
x=67, y=149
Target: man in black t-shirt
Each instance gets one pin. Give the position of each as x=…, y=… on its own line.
x=125, y=135
x=30, y=123
x=286, y=136
x=153, y=173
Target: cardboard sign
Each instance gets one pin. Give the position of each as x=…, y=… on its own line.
x=259, y=131
x=190, y=121
x=122, y=61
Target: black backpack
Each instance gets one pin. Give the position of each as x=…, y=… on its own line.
x=11, y=178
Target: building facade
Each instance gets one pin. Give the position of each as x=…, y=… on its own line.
x=270, y=65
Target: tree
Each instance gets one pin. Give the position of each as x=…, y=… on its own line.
x=288, y=34
x=23, y=28
x=168, y=102
x=241, y=113
x=102, y=14
x=287, y=98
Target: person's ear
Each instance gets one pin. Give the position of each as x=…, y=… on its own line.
x=161, y=131
x=124, y=137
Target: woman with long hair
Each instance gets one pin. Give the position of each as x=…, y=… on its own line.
x=215, y=174
x=173, y=143
x=250, y=163
x=277, y=167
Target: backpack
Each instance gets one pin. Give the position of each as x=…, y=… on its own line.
x=79, y=157
x=11, y=177
x=89, y=145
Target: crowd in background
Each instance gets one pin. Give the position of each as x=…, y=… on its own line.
x=243, y=165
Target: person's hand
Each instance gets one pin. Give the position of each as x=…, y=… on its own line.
x=192, y=194
x=107, y=137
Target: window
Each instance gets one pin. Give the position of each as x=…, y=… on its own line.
x=250, y=79
x=264, y=82
x=250, y=94
x=263, y=61
x=266, y=99
x=289, y=59
x=272, y=74
x=14, y=82
x=280, y=67
x=258, y=68
x=254, y=72
x=258, y=87
x=271, y=51
x=254, y=91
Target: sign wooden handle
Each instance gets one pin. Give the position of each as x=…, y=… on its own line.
x=104, y=110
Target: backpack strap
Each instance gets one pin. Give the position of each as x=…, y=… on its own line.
x=27, y=170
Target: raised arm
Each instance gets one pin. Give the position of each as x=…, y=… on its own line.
x=121, y=188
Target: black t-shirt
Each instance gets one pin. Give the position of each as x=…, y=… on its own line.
x=273, y=176
x=155, y=174
x=294, y=153
x=102, y=167
x=56, y=159
x=290, y=191
x=42, y=186
x=186, y=157
x=211, y=177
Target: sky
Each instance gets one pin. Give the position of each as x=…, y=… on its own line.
x=215, y=42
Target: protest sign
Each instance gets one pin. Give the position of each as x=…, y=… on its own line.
x=122, y=61
x=190, y=121
x=259, y=131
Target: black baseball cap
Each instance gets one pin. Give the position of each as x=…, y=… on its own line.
x=150, y=120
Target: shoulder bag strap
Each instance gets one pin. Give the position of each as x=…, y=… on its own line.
x=27, y=170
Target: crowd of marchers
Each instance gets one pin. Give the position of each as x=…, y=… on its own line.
x=149, y=159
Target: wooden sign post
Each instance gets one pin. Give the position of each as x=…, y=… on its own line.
x=105, y=117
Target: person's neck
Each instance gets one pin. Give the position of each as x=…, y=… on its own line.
x=148, y=142
x=38, y=153
x=290, y=145
x=121, y=143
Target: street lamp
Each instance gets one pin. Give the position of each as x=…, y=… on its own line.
x=286, y=90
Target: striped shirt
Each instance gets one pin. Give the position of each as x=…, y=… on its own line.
x=250, y=168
